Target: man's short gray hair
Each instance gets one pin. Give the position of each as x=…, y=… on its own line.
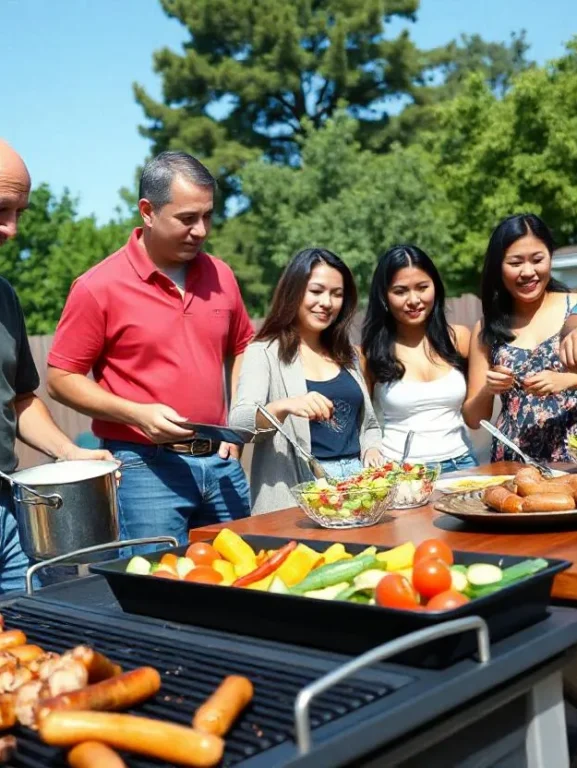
x=159, y=173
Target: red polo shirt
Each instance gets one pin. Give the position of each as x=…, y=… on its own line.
x=127, y=322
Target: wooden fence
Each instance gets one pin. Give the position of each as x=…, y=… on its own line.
x=464, y=310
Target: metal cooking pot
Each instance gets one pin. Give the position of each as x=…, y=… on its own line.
x=65, y=506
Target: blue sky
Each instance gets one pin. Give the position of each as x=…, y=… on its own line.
x=67, y=68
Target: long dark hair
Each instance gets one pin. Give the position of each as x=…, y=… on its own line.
x=380, y=328
x=281, y=321
x=496, y=300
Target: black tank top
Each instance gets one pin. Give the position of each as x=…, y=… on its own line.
x=339, y=437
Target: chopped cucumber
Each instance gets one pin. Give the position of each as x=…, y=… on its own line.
x=483, y=574
x=368, y=579
x=511, y=575
x=278, y=586
x=139, y=565
x=459, y=581
x=328, y=593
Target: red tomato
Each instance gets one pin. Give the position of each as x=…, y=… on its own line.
x=204, y=575
x=202, y=553
x=434, y=548
x=395, y=591
x=431, y=577
x=447, y=601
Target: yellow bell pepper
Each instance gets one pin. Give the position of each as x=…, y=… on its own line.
x=297, y=565
x=263, y=584
x=335, y=553
x=226, y=570
x=399, y=558
x=234, y=549
x=243, y=569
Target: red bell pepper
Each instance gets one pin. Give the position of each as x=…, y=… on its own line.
x=269, y=566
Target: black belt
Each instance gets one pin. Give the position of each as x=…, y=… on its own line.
x=196, y=447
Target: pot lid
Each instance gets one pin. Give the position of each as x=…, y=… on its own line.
x=62, y=472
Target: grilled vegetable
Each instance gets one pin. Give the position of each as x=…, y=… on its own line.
x=511, y=575
x=269, y=566
x=234, y=549
x=398, y=558
x=327, y=575
x=482, y=574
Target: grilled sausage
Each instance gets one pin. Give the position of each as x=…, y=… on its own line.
x=93, y=754
x=221, y=709
x=548, y=502
x=99, y=667
x=119, y=692
x=11, y=639
x=166, y=741
x=502, y=500
x=530, y=487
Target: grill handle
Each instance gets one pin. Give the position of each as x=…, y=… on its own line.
x=88, y=550
x=380, y=653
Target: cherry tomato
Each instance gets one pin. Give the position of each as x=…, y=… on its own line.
x=395, y=591
x=431, y=577
x=202, y=553
x=204, y=575
x=447, y=601
x=169, y=559
x=165, y=574
x=434, y=548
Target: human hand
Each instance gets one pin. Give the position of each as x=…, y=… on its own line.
x=372, y=458
x=160, y=423
x=545, y=383
x=229, y=451
x=568, y=351
x=499, y=379
x=313, y=406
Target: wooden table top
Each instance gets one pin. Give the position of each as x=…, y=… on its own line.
x=424, y=523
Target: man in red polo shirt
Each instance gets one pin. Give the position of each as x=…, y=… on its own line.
x=155, y=323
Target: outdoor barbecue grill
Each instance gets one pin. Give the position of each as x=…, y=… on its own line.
x=386, y=709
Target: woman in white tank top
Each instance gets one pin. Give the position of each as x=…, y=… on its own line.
x=415, y=362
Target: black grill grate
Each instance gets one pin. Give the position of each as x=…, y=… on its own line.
x=188, y=677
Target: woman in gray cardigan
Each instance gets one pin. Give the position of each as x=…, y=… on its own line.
x=304, y=369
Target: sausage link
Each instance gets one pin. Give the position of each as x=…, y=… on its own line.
x=502, y=500
x=7, y=711
x=548, y=502
x=166, y=741
x=529, y=488
x=93, y=754
x=26, y=654
x=220, y=710
x=120, y=692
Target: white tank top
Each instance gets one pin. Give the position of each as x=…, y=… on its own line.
x=431, y=409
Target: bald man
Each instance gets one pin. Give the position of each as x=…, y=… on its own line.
x=21, y=412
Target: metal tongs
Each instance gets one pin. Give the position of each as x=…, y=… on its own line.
x=510, y=444
x=315, y=465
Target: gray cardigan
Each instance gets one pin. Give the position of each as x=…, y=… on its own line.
x=275, y=465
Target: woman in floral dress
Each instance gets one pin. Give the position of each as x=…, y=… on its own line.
x=515, y=347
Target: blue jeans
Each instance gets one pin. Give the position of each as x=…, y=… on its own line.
x=341, y=468
x=465, y=461
x=167, y=493
x=13, y=561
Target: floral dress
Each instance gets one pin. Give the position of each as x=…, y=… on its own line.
x=539, y=425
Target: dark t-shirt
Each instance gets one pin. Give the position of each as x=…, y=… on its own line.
x=18, y=374
x=339, y=437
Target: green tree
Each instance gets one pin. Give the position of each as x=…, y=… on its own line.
x=343, y=198
x=52, y=248
x=253, y=71
x=502, y=156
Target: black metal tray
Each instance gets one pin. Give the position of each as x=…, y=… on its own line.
x=334, y=626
